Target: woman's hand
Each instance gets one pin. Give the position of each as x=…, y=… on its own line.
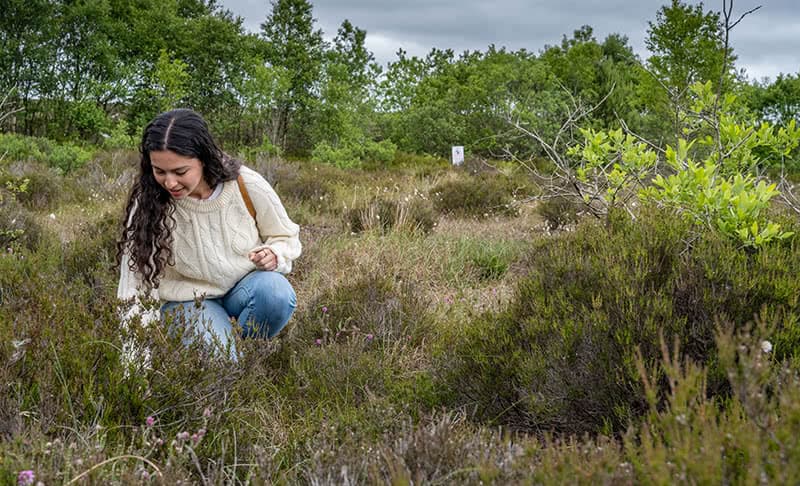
x=264, y=259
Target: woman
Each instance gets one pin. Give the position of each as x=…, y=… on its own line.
x=192, y=235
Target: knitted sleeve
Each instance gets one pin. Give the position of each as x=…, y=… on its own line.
x=278, y=233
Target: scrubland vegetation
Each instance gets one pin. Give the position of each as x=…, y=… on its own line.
x=606, y=292
x=438, y=339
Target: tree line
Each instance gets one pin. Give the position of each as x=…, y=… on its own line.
x=84, y=70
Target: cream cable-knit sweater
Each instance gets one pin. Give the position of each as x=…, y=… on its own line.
x=211, y=241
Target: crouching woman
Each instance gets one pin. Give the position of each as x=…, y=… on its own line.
x=206, y=235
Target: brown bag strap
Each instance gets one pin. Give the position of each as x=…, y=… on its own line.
x=246, y=197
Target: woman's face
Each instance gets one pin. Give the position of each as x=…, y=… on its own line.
x=181, y=176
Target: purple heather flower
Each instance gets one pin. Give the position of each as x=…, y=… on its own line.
x=25, y=478
x=318, y=342
x=324, y=309
x=183, y=435
x=370, y=337
x=150, y=421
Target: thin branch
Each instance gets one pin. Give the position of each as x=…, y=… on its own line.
x=572, y=119
x=744, y=15
x=637, y=136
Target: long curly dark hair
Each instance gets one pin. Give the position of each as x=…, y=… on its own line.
x=149, y=221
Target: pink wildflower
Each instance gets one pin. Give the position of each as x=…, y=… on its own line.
x=150, y=421
x=370, y=337
x=324, y=309
x=207, y=413
x=25, y=478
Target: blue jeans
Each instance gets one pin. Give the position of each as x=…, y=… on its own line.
x=261, y=302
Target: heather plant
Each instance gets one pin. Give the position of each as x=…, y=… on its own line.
x=312, y=184
x=746, y=438
x=18, y=227
x=480, y=196
x=379, y=306
x=558, y=211
x=561, y=355
x=44, y=188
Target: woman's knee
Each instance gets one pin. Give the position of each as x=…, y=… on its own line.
x=274, y=287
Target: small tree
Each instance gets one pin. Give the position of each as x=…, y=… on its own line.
x=721, y=191
x=711, y=175
x=688, y=45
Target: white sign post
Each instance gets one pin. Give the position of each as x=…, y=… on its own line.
x=458, y=155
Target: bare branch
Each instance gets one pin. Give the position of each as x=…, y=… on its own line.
x=4, y=101
x=637, y=136
x=743, y=15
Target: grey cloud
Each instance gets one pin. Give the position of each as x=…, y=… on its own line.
x=766, y=42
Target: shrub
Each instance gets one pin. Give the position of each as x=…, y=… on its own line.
x=561, y=356
x=66, y=157
x=87, y=118
x=474, y=196
x=44, y=188
x=349, y=154
x=411, y=213
x=90, y=257
x=273, y=168
x=18, y=227
x=61, y=156
x=477, y=165
x=387, y=307
x=303, y=187
x=119, y=136
x=19, y=148
x=558, y=211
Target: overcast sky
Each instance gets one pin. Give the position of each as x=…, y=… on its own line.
x=767, y=41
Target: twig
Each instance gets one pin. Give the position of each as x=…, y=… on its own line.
x=637, y=136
